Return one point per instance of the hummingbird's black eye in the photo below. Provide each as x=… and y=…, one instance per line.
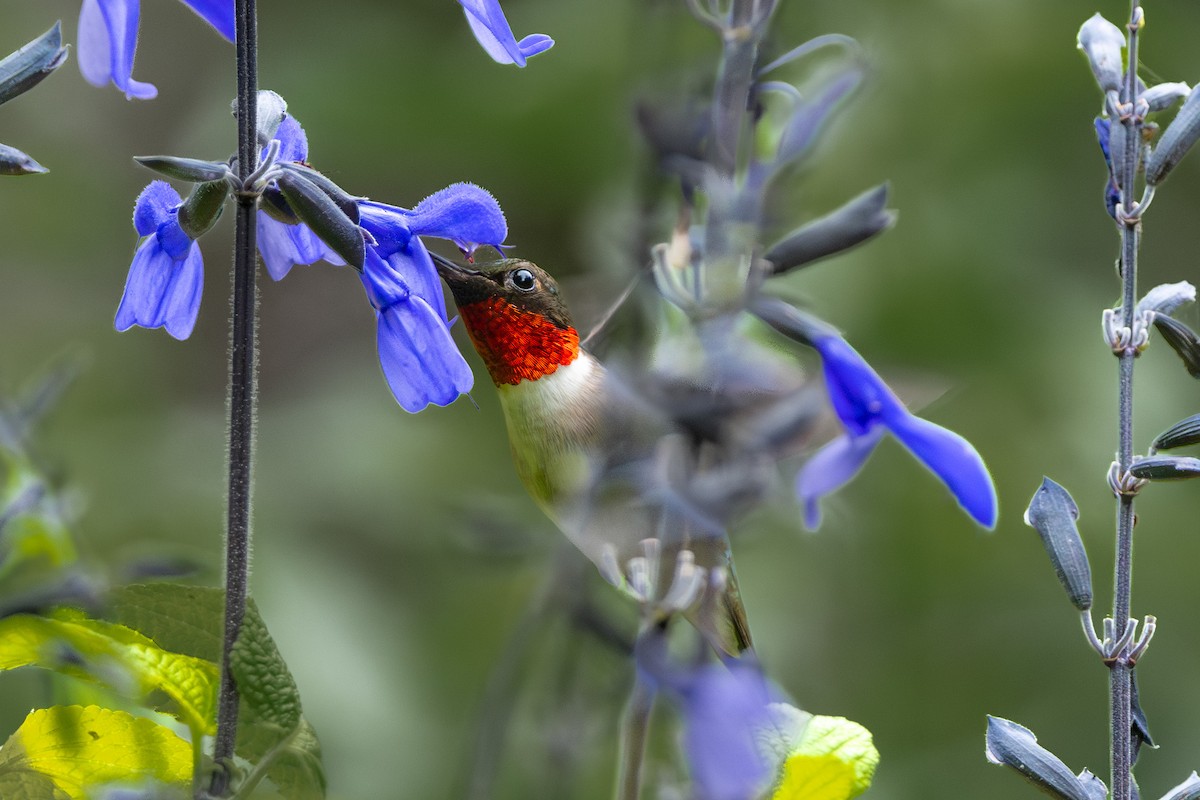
x=523, y=280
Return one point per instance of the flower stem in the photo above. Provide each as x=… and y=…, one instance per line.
x=242, y=397
x=633, y=739
x=1120, y=675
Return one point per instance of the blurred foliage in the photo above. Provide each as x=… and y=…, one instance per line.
x=406, y=545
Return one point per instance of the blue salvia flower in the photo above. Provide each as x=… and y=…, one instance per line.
x=418, y=356
x=867, y=409
x=165, y=280
x=723, y=706
x=108, y=31
x=495, y=35
x=282, y=245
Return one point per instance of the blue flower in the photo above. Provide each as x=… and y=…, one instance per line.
x=282, y=245
x=420, y=361
x=165, y=279
x=492, y=31
x=867, y=409
x=108, y=31
x=724, y=707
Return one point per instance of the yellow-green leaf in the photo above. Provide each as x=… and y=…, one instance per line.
x=823, y=758
x=78, y=747
x=120, y=658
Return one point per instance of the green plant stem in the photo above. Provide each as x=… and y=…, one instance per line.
x=242, y=398
x=1120, y=674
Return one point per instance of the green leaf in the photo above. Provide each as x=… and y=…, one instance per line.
x=820, y=758
x=183, y=619
x=272, y=731
x=78, y=747
x=293, y=763
x=262, y=676
x=30, y=786
x=115, y=656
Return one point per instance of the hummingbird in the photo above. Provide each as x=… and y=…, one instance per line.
x=584, y=446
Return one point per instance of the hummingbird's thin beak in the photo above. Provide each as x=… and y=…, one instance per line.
x=448, y=269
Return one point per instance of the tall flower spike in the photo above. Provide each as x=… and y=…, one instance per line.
x=867, y=408
x=108, y=31
x=165, y=280
x=420, y=361
x=494, y=34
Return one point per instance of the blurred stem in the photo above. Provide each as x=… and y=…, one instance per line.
x=740, y=38
x=242, y=398
x=1120, y=677
x=634, y=731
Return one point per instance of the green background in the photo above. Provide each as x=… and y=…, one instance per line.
x=394, y=553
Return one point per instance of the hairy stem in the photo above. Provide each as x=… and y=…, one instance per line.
x=1120, y=677
x=242, y=397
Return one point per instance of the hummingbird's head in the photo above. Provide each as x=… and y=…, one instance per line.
x=515, y=317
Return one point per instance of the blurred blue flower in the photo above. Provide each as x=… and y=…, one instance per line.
x=418, y=356
x=492, y=31
x=867, y=408
x=282, y=245
x=108, y=31
x=724, y=706
x=165, y=280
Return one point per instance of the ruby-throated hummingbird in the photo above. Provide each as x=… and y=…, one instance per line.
x=583, y=446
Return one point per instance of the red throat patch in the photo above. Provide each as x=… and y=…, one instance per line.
x=517, y=345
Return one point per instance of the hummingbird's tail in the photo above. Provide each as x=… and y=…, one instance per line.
x=719, y=615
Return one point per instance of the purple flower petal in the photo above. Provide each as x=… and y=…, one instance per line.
x=293, y=141
x=161, y=291
x=831, y=468
x=283, y=246
x=107, y=41
x=951, y=458
x=535, y=43
x=218, y=13
x=415, y=267
x=419, y=358
x=723, y=708
x=388, y=226
x=863, y=403
x=493, y=33
x=856, y=391
x=463, y=213
x=383, y=283
x=154, y=206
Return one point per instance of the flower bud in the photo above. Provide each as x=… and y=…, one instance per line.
x=1052, y=513
x=15, y=162
x=315, y=209
x=1178, y=138
x=185, y=169
x=1102, y=43
x=23, y=69
x=202, y=208
x=1183, y=340
x=1015, y=746
x=848, y=226
x=1165, y=468
x=1181, y=434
